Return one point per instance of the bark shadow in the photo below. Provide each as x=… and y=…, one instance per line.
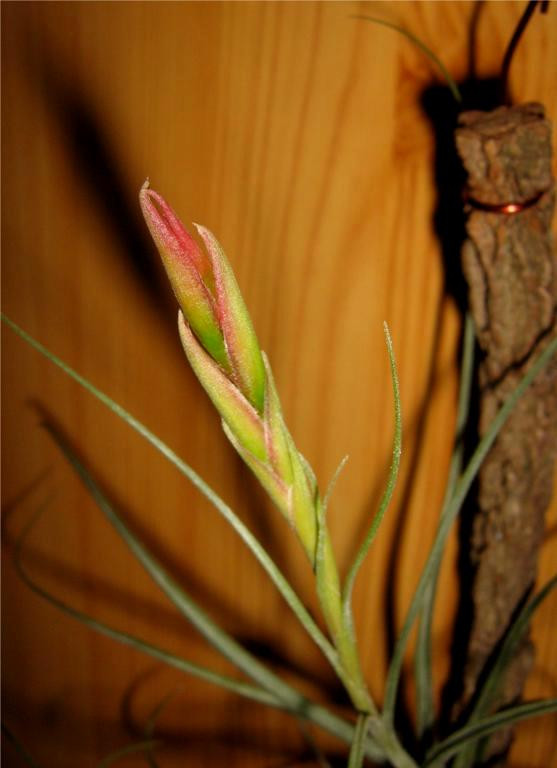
x=449, y=222
x=442, y=111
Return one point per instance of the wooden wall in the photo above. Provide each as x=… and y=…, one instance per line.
x=296, y=133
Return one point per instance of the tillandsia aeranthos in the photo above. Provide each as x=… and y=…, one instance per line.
x=220, y=343
x=219, y=340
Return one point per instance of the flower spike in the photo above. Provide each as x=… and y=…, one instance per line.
x=189, y=272
x=220, y=343
x=208, y=295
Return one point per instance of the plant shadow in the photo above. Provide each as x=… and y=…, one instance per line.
x=296, y=742
x=86, y=140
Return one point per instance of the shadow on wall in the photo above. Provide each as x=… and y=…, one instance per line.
x=97, y=164
x=449, y=222
x=189, y=739
x=100, y=170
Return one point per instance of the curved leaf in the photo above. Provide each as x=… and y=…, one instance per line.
x=356, y=759
x=131, y=749
x=422, y=46
x=461, y=490
x=266, y=562
x=391, y=482
x=493, y=681
x=423, y=667
x=470, y=733
x=304, y=707
x=196, y=670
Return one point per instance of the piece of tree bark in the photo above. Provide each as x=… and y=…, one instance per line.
x=511, y=269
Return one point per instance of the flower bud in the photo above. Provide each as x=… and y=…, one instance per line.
x=209, y=297
x=188, y=270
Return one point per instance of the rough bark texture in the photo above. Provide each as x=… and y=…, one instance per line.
x=511, y=268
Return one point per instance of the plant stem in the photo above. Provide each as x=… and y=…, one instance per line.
x=384, y=735
x=356, y=758
x=348, y=668
x=343, y=636
x=341, y=630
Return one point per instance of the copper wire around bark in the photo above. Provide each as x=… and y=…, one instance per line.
x=506, y=209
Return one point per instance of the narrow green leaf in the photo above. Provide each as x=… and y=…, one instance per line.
x=150, y=727
x=333, y=482
x=422, y=46
x=388, y=493
x=336, y=603
x=320, y=757
x=18, y=746
x=452, y=746
x=131, y=749
x=356, y=758
x=188, y=667
x=266, y=562
x=304, y=708
x=512, y=641
x=461, y=490
x=328, y=591
x=494, y=679
x=326, y=573
x=425, y=712
x=219, y=639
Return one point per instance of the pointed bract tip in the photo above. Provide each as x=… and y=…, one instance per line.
x=201, y=230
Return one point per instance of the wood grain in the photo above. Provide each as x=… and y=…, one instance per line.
x=295, y=132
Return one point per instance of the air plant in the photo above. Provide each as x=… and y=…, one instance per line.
x=220, y=343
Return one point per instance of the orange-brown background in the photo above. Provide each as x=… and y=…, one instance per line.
x=295, y=132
